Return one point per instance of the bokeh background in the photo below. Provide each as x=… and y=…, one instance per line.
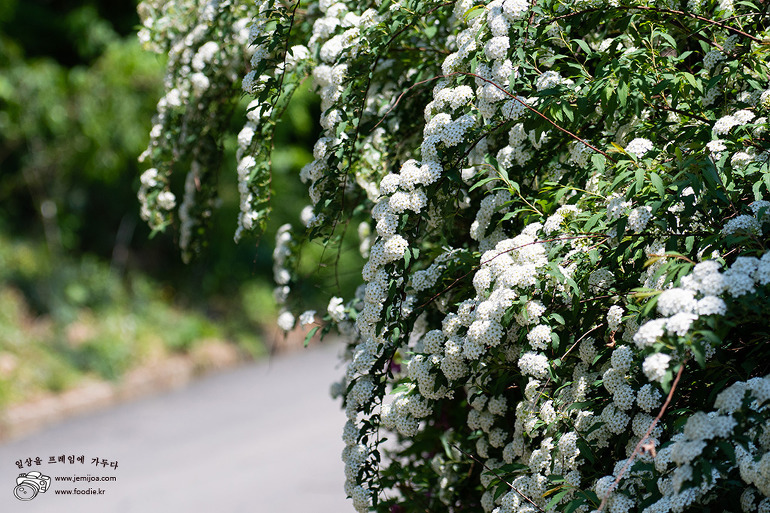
x=84, y=291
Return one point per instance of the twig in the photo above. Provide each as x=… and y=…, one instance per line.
x=661, y=10
x=689, y=114
x=506, y=92
x=644, y=438
x=525, y=104
x=402, y=95
x=672, y=255
x=695, y=16
x=475, y=268
x=494, y=471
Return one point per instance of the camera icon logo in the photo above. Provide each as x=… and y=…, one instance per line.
x=29, y=484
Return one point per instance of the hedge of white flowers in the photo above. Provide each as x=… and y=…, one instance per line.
x=564, y=208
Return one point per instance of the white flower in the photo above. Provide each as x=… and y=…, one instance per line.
x=741, y=159
x=166, y=200
x=614, y=316
x=295, y=55
x=336, y=309
x=638, y=218
x=515, y=8
x=245, y=136
x=200, y=82
x=307, y=216
x=738, y=283
x=394, y=248
x=716, y=146
x=281, y=276
x=280, y=294
x=149, y=178
x=711, y=305
x=622, y=358
x=603, y=486
x=617, y=206
x=639, y=146
x=497, y=47
x=743, y=224
x=743, y=116
x=649, y=332
x=679, y=324
x=601, y=280
x=534, y=364
x=286, y=320
x=655, y=366
x=724, y=124
x=675, y=301
x=307, y=317
x=540, y=336
x=648, y=397
x=548, y=80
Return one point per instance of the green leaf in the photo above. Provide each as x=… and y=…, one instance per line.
x=728, y=449
x=639, y=179
x=668, y=38
x=585, y=450
x=473, y=12
x=574, y=504
x=564, y=490
x=483, y=182
x=310, y=334
x=657, y=182
x=691, y=79
x=584, y=46
x=699, y=352
x=599, y=161
x=623, y=93
x=578, y=406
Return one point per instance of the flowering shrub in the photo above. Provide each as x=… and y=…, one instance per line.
x=564, y=209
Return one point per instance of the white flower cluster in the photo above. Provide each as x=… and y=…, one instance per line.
x=282, y=275
x=562, y=214
x=417, y=321
x=528, y=331
x=639, y=146
x=698, y=295
x=723, y=125
x=745, y=224
x=197, y=68
x=676, y=461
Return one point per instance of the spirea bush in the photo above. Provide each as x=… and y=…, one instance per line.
x=564, y=208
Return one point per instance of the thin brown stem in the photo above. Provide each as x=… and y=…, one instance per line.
x=673, y=255
x=526, y=105
x=475, y=268
x=644, y=438
x=398, y=100
x=494, y=471
x=507, y=93
x=662, y=10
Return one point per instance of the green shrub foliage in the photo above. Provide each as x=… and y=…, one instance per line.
x=564, y=209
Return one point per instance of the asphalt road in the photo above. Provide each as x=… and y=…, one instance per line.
x=261, y=438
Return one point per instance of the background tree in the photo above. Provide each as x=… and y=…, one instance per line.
x=82, y=289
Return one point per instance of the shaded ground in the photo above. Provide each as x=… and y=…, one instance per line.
x=261, y=438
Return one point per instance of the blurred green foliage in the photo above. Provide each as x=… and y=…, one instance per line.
x=69, y=134
x=83, y=289
x=94, y=321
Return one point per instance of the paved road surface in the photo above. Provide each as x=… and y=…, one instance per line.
x=260, y=439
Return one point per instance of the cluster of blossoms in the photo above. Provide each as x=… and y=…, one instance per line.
x=539, y=276
x=698, y=296
x=282, y=274
x=204, y=59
